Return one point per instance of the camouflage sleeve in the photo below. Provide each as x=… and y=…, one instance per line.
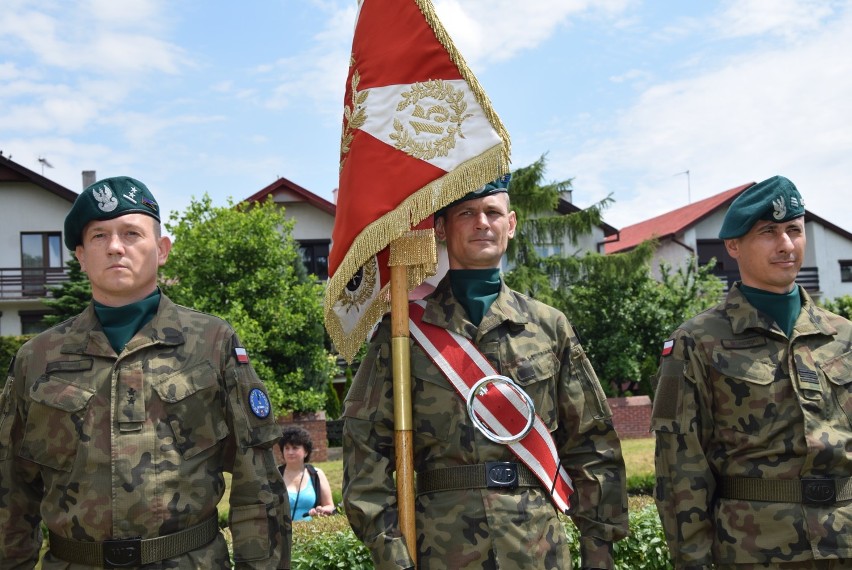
x=590, y=450
x=259, y=506
x=20, y=486
x=685, y=483
x=369, y=492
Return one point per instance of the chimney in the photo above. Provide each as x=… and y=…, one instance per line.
x=89, y=178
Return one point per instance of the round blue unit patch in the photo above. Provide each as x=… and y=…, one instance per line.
x=259, y=402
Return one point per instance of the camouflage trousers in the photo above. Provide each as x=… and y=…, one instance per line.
x=806, y=565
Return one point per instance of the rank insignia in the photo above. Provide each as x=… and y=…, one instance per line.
x=668, y=346
x=259, y=402
x=241, y=354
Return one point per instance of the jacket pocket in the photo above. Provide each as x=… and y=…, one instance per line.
x=536, y=375
x=746, y=397
x=193, y=408
x=439, y=407
x=55, y=423
x=250, y=532
x=838, y=370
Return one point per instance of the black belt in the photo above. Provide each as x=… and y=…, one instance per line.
x=490, y=475
x=811, y=491
x=130, y=552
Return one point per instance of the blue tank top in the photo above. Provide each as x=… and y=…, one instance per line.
x=307, y=500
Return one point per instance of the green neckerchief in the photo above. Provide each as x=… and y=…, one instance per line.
x=783, y=307
x=475, y=289
x=121, y=323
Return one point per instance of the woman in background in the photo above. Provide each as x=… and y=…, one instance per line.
x=307, y=486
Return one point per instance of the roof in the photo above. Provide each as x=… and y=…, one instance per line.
x=565, y=207
x=282, y=184
x=672, y=223
x=11, y=171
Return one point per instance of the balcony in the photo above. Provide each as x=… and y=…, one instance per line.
x=29, y=282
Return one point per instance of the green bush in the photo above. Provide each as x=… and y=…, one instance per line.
x=315, y=549
x=329, y=544
x=9, y=346
x=642, y=484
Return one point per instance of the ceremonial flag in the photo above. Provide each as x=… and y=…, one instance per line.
x=418, y=133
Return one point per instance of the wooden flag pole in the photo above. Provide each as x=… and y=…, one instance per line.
x=403, y=423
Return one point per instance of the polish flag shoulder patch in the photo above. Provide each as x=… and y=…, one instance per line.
x=241, y=354
x=668, y=347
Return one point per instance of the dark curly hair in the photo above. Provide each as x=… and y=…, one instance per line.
x=296, y=435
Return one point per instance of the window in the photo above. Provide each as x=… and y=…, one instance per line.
x=41, y=253
x=315, y=257
x=31, y=321
x=846, y=270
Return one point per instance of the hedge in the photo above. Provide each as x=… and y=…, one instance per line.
x=9, y=346
x=329, y=544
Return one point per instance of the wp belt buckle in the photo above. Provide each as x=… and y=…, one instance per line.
x=122, y=553
x=819, y=491
x=480, y=425
x=501, y=475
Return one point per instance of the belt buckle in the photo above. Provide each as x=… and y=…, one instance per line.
x=821, y=491
x=501, y=475
x=480, y=386
x=123, y=553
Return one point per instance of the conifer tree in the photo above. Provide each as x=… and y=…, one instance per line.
x=69, y=298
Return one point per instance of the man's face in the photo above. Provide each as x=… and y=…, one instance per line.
x=121, y=257
x=770, y=254
x=477, y=232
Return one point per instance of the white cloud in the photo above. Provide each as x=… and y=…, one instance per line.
x=780, y=111
x=490, y=31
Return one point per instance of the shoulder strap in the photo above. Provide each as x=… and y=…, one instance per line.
x=312, y=473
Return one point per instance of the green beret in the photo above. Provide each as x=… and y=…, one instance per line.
x=107, y=199
x=775, y=199
x=493, y=187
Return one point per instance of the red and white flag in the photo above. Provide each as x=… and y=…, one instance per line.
x=418, y=133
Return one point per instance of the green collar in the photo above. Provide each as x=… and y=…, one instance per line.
x=120, y=324
x=784, y=308
x=475, y=290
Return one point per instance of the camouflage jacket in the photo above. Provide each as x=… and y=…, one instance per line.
x=100, y=446
x=737, y=398
x=485, y=528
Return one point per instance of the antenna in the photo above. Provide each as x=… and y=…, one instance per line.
x=688, y=186
x=44, y=162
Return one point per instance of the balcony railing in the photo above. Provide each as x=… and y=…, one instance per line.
x=808, y=278
x=29, y=282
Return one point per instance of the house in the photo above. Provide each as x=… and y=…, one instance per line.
x=32, y=254
x=693, y=231
x=314, y=217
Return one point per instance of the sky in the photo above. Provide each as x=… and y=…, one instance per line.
x=654, y=103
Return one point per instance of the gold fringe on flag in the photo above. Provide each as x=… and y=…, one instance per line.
x=471, y=174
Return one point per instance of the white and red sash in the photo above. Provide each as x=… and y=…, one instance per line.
x=463, y=365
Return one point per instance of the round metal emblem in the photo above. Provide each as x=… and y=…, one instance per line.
x=488, y=432
x=259, y=402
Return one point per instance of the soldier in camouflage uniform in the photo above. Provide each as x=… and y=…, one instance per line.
x=117, y=425
x=484, y=528
x=753, y=408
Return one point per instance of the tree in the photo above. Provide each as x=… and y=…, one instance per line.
x=241, y=263
x=69, y=298
x=620, y=312
x=841, y=306
x=624, y=319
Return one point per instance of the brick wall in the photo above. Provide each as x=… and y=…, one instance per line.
x=631, y=416
x=315, y=425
